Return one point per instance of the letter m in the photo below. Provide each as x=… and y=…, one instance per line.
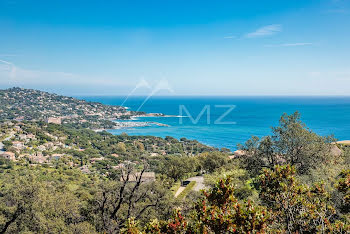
x=182, y=109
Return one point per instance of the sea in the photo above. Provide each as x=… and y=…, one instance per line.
x=224, y=122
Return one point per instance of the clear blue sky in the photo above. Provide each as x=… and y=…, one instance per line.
x=250, y=47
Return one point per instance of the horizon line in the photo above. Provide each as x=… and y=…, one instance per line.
x=182, y=95
x=211, y=95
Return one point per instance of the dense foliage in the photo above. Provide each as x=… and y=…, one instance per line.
x=291, y=182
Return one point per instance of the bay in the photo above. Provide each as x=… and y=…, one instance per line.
x=250, y=116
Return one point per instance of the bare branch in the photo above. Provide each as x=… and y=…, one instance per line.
x=121, y=193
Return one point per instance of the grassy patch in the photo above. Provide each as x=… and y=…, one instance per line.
x=175, y=187
x=188, y=188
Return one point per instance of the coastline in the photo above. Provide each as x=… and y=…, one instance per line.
x=130, y=123
x=253, y=116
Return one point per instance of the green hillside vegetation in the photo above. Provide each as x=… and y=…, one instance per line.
x=293, y=181
x=30, y=104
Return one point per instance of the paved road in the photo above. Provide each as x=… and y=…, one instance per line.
x=199, y=182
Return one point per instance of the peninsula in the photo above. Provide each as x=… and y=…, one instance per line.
x=33, y=105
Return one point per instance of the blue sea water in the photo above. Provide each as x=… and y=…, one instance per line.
x=251, y=116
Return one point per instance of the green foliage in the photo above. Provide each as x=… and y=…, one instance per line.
x=211, y=161
x=177, y=224
x=7, y=144
x=284, y=183
x=343, y=186
x=5, y=164
x=116, y=202
x=131, y=227
x=188, y=188
x=175, y=187
x=32, y=104
x=37, y=201
x=239, y=177
x=291, y=143
x=121, y=147
x=220, y=212
x=177, y=167
x=297, y=207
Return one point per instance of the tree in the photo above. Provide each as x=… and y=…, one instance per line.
x=177, y=167
x=29, y=204
x=139, y=146
x=239, y=177
x=298, y=145
x=176, y=224
x=343, y=186
x=297, y=208
x=213, y=160
x=220, y=212
x=121, y=147
x=291, y=143
x=118, y=201
x=7, y=144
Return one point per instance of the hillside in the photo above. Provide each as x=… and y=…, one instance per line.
x=28, y=104
x=96, y=182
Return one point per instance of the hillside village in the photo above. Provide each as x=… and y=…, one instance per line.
x=39, y=128
x=49, y=143
x=91, y=181
x=42, y=128
x=54, y=163
x=34, y=105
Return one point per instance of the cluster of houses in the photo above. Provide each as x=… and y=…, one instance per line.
x=27, y=104
x=22, y=148
x=54, y=105
x=55, y=120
